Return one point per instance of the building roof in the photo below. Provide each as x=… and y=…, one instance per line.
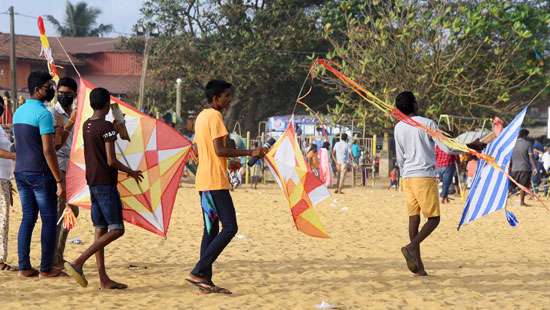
x=116, y=84
x=28, y=47
x=90, y=45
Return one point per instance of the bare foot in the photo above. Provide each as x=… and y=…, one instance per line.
x=29, y=273
x=410, y=258
x=112, y=285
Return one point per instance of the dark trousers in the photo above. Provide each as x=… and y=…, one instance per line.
x=214, y=243
x=37, y=194
x=446, y=175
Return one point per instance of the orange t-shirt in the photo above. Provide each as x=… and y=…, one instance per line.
x=212, y=169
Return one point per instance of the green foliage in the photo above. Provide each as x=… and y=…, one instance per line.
x=262, y=47
x=80, y=21
x=475, y=58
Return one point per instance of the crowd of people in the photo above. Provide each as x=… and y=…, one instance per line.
x=331, y=163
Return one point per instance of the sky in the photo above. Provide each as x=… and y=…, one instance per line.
x=122, y=14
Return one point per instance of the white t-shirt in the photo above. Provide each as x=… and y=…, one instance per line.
x=6, y=165
x=546, y=160
x=341, y=150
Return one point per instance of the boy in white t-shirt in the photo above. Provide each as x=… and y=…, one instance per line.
x=6, y=172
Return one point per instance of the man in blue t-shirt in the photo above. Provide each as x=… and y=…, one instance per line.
x=37, y=174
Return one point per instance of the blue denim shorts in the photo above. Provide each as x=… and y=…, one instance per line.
x=106, y=207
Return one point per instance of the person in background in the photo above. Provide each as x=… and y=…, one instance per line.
x=355, y=152
x=313, y=159
x=522, y=164
x=546, y=165
x=536, y=179
x=37, y=174
x=471, y=168
x=6, y=199
x=256, y=170
x=394, y=178
x=64, y=116
x=445, y=166
x=340, y=154
x=325, y=169
x=546, y=159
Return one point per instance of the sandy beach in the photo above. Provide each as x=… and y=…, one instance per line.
x=270, y=265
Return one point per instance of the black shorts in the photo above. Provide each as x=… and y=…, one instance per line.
x=522, y=177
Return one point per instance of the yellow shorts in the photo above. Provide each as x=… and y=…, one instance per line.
x=422, y=196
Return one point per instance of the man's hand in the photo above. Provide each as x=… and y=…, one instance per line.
x=258, y=152
x=60, y=190
x=137, y=175
x=72, y=119
x=534, y=172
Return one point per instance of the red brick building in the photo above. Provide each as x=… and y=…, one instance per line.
x=99, y=60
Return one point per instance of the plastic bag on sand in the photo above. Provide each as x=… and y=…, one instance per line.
x=325, y=305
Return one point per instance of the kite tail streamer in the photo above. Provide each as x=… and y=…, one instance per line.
x=46, y=50
x=68, y=218
x=209, y=210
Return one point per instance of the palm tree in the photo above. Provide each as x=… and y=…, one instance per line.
x=80, y=21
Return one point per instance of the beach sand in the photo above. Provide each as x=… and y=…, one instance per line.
x=270, y=265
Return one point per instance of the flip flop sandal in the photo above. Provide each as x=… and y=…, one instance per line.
x=116, y=286
x=221, y=290
x=204, y=286
x=61, y=274
x=75, y=274
x=411, y=262
x=6, y=267
x=34, y=273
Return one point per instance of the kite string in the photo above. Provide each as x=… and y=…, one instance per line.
x=69, y=57
x=300, y=93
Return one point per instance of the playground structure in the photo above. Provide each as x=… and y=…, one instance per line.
x=363, y=171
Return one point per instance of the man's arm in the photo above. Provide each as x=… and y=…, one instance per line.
x=48, y=150
x=113, y=162
x=7, y=154
x=223, y=151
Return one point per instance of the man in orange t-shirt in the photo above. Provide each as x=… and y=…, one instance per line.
x=213, y=184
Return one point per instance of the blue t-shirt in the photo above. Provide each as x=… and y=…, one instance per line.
x=355, y=151
x=31, y=121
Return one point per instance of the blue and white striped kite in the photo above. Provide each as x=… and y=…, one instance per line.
x=489, y=190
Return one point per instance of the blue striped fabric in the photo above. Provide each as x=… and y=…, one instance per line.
x=489, y=190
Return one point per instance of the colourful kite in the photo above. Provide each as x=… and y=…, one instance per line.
x=300, y=186
x=46, y=50
x=489, y=191
x=154, y=148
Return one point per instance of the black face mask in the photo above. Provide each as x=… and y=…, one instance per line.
x=50, y=93
x=65, y=99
